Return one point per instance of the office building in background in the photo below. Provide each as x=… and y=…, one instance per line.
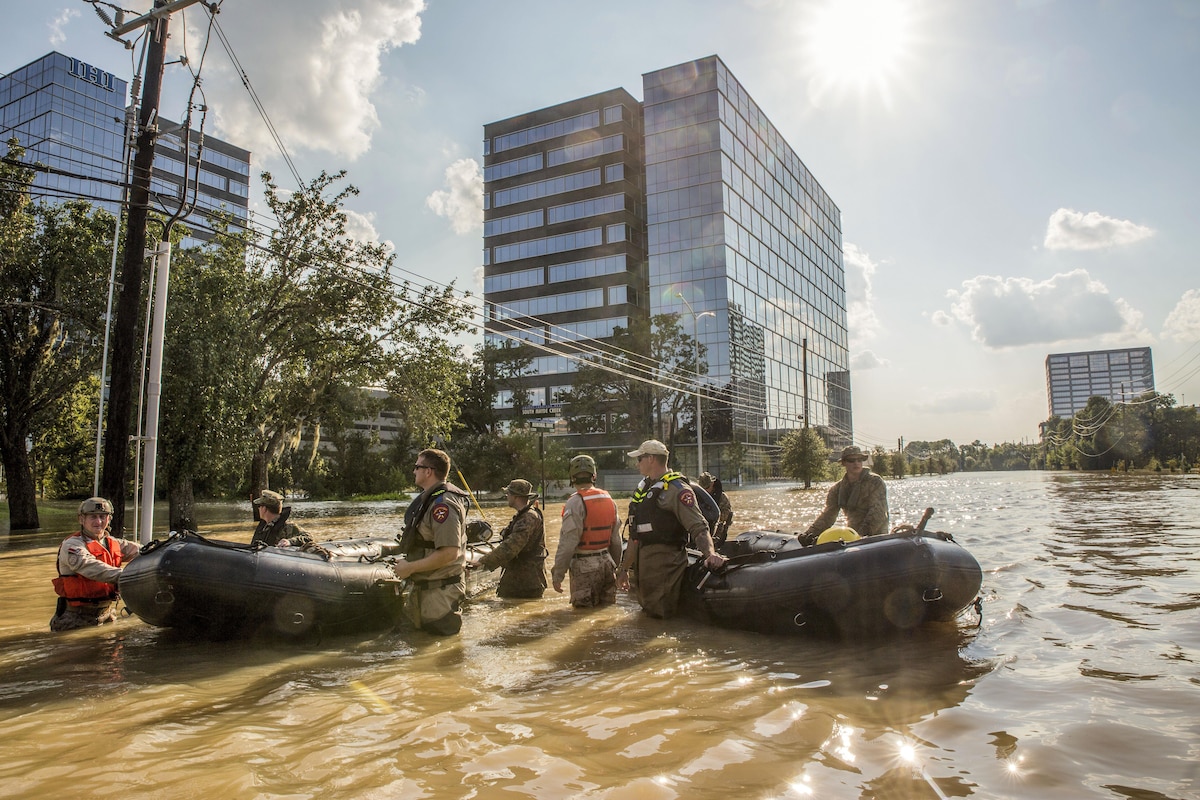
x=603, y=209
x=1119, y=376
x=70, y=118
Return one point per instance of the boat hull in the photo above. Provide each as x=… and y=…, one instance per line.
x=876, y=586
x=222, y=589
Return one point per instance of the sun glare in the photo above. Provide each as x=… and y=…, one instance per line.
x=857, y=44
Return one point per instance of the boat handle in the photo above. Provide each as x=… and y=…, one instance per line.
x=932, y=595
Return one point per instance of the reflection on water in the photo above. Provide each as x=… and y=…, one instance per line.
x=1081, y=682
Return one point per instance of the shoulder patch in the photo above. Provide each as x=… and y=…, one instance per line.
x=687, y=497
x=566, y=512
x=441, y=512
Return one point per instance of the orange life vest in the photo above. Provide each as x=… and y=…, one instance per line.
x=599, y=514
x=79, y=590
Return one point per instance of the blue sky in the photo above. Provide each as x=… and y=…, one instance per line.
x=1015, y=178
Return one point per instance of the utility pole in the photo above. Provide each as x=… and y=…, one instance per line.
x=804, y=431
x=119, y=421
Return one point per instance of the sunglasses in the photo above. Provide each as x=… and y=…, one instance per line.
x=422, y=466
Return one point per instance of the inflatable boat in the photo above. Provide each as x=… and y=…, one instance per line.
x=869, y=587
x=221, y=589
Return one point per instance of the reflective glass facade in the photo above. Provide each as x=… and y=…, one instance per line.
x=733, y=221
x=739, y=227
x=1117, y=375
x=70, y=116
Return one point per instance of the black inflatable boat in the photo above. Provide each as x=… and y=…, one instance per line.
x=221, y=589
x=875, y=586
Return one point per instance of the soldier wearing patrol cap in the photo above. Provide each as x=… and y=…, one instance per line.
x=273, y=526
x=522, y=549
x=589, y=543
x=89, y=566
x=665, y=518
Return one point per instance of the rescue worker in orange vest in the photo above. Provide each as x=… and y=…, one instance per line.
x=89, y=566
x=589, y=544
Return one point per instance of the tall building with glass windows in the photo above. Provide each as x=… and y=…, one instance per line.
x=742, y=242
x=564, y=236
x=1119, y=376
x=70, y=118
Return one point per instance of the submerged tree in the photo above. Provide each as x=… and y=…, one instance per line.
x=53, y=273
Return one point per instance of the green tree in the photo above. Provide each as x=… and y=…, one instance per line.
x=53, y=274
x=804, y=456
x=329, y=315
x=643, y=380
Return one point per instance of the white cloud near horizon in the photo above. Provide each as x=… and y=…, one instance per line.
x=860, y=296
x=1014, y=312
x=461, y=201
x=965, y=401
x=316, y=67
x=1071, y=230
x=57, y=33
x=361, y=228
x=867, y=359
x=1183, y=323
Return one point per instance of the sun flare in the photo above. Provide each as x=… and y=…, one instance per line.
x=858, y=45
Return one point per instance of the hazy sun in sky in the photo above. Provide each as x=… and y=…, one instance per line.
x=858, y=45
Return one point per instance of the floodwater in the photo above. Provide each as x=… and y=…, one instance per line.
x=1082, y=680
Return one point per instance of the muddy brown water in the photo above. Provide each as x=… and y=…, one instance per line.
x=1081, y=682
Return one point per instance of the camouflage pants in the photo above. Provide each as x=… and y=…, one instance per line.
x=593, y=580
x=436, y=609
x=659, y=570
x=68, y=617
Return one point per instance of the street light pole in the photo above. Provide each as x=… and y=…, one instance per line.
x=696, y=363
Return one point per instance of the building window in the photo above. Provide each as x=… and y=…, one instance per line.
x=513, y=280
x=550, y=130
x=533, y=191
x=590, y=149
x=518, y=166
x=613, y=114
x=615, y=233
x=586, y=208
x=614, y=173
x=548, y=245
x=517, y=222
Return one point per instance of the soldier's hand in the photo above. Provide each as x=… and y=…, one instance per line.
x=623, y=580
x=714, y=561
x=558, y=586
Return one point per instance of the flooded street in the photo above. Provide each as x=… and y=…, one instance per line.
x=1081, y=682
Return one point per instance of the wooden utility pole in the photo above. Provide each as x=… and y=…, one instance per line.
x=119, y=421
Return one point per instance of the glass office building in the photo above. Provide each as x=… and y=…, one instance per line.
x=1119, y=376
x=739, y=234
x=70, y=117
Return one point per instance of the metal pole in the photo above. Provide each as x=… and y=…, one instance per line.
x=154, y=384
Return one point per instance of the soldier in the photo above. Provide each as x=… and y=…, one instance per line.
x=589, y=544
x=434, y=544
x=522, y=549
x=665, y=517
x=860, y=493
x=89, y=566
x=712, y=485
x=273, y=526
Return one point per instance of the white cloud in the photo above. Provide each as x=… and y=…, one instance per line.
x=1012, y=312
x=1183, y=323
x=860, y=295
x=361, y=228
x=867, y=359
x=462, y=200
x=314, y=65
x=1071, y=230
x=966, y=401
x=57, y=34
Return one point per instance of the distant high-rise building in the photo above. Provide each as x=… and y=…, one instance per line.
x=70, y=118
x=604, y=209
x=1116, y=375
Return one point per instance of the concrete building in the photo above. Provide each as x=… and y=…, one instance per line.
x=70, y=118
x=709, y=213
x=1116, y=375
